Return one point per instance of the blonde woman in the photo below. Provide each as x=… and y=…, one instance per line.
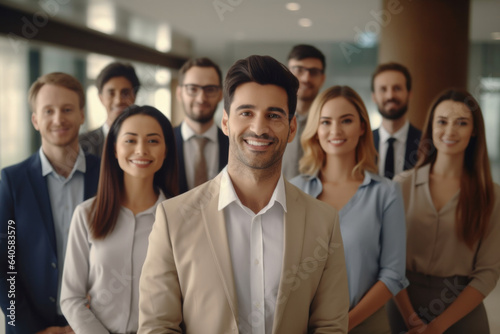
x=338, y=167
x=452, y=214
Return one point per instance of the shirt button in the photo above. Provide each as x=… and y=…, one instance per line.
x=256, y=262
x=52, y=299
x=53, y=264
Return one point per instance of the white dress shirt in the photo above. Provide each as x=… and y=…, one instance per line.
x=191, y=149
x=64, y=195
x=399, y=148
x=256, y=247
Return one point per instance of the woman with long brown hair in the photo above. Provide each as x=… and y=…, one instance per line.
x=339, y=168
x=108, y=237
x=452, y=214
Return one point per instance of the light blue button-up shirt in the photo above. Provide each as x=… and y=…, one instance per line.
x=64, y=194
x=373, y=230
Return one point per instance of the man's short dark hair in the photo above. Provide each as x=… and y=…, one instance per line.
x=303, y=51
x=200, y=62
x=392, y=67
x=117, y=69
x=263, y=70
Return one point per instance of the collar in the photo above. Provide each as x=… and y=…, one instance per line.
x=300, y=118
x=401, y=135
x=105, y=129
x=314, y=187
x=188, y=133
x=228, y=194
x=78, y=166
x=152, y=210
x=422, y=174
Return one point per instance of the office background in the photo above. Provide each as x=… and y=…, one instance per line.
x=80, y=37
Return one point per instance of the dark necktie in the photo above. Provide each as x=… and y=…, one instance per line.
x=389, y=159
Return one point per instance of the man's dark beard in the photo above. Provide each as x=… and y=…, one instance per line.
x=395, y=114
x=202, y=119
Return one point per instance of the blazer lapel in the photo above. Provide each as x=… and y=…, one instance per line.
x=40, y=192
x=215, y=229
x=223, y=149
x=294, y=239
x=179, y=143
x=376, y=138
x=91, y=176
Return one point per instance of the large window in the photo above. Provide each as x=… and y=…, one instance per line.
x=22, y=64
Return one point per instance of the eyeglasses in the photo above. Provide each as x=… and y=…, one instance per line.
x=313, y=71
x=209, y=90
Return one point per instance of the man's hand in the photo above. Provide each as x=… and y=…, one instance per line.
x=56, y=330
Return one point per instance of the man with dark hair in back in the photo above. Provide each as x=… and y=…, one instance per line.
x=247, y=252
x=201, y=145
x=117, y=85
x=307, y=63
x=396, y=140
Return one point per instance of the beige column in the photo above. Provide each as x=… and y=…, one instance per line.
x=177, y=112
x=431, y=38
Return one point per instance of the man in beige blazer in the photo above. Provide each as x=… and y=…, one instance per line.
x=247, y=252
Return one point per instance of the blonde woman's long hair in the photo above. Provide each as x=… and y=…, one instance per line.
x=314, y=157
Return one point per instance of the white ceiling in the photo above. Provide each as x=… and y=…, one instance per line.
x=269, y=20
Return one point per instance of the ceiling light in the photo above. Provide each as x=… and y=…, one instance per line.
x=293, y=6
x=495, y=35
x=306, y=23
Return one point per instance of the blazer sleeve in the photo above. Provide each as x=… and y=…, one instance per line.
x=75, y=278
x=160, y=305
x=393, y=241
x=330, y=306
x=25, y=318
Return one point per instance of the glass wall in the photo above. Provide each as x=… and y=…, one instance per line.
x=21, y=64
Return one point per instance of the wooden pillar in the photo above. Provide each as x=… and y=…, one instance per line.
x=431, y=38
x=177, y=111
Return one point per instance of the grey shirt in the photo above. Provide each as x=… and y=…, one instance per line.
x=64, y=194
x=294, y=151
x=107, y=270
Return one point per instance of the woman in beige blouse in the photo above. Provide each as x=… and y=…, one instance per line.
x=108, y=237
x=453, y=228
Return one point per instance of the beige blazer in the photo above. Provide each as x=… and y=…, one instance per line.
x=187, y=283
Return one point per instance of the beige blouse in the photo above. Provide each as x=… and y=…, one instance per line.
x=433, y=247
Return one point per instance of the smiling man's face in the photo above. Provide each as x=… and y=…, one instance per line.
x=257, y=126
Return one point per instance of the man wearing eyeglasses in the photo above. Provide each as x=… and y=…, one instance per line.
x=202, y=148
x=307, y=63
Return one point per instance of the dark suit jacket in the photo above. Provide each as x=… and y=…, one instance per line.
x=24, y=199
x=223, y=154
x=412, y=142
x=93, y=142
